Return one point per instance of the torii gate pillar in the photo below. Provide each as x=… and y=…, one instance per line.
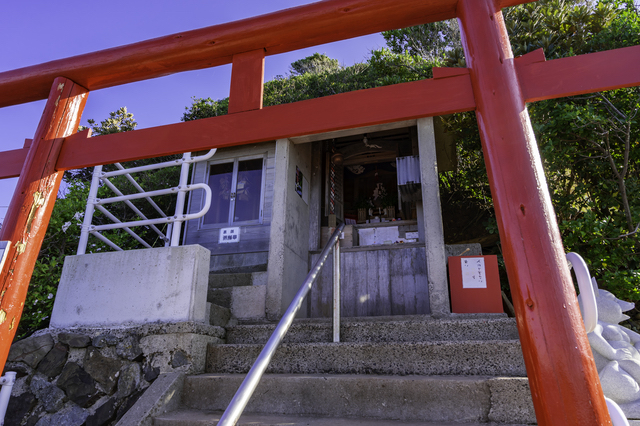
x=562, y=375
x=32, y=204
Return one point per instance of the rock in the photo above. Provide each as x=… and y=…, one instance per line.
x=31, y=350
x=74, y=340
x=52, y=364
x=150, y=373
x=20, y=369
x=50, y=396
x=35, y=416
x=179, y=359
x=18, y=408
x=104, y=340
x=103, y=369
x=70, y=416
x=129, y=348
x=104, y=414
x=78, y=384
x=129, y=380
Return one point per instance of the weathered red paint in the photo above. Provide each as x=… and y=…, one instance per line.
x=282, y=31
x=347, y=110
x=247, y=81
x=562, y=375
x=28, y=216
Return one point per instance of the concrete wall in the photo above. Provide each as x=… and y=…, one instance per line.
x=432, y=219
x=289, y=242
x=166, y=284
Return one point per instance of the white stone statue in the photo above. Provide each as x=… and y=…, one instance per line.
x=615, y=348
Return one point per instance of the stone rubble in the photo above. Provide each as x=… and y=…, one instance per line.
x=91, y=377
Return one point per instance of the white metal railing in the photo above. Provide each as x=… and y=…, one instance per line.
x=7, y=381
x=172, y=235
x=243, y=394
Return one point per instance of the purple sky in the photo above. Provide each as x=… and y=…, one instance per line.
x=38, y=31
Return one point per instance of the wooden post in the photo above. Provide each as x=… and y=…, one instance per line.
x=28, y=216
x=562, y=374
x=247, y=81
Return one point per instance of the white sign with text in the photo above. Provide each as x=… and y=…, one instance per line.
x=473, y=274
x=229, y=235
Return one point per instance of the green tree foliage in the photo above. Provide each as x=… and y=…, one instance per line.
x=561, y=27
x=120, y=120
x=436, y=40
x=314, y=64
x=591, y=154
x=318, y=75
x=589, y=144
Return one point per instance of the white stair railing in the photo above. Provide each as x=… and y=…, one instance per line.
x=174, y=222
x=7, y=381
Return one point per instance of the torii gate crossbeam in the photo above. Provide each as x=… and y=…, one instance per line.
x=563, y=377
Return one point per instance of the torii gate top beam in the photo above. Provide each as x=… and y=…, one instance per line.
x=283, y=31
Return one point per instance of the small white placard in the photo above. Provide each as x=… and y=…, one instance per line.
x=229, y=235
x=473, y=275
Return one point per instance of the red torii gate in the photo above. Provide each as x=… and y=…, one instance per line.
x=563, y=377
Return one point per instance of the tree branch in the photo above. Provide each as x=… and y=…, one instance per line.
x=635, y=231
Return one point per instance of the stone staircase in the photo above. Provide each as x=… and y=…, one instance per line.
x=413, y=370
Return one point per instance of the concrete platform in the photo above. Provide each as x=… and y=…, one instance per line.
x=487, y=357
x=202, y=418
x=134, y=287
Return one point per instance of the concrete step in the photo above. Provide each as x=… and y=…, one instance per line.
x=488, y=357
x=207, y=418
x=404, y=398
x=416, y=328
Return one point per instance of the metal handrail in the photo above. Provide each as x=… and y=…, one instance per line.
x=172, y=235
x=7, y=381
x=243, y=394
